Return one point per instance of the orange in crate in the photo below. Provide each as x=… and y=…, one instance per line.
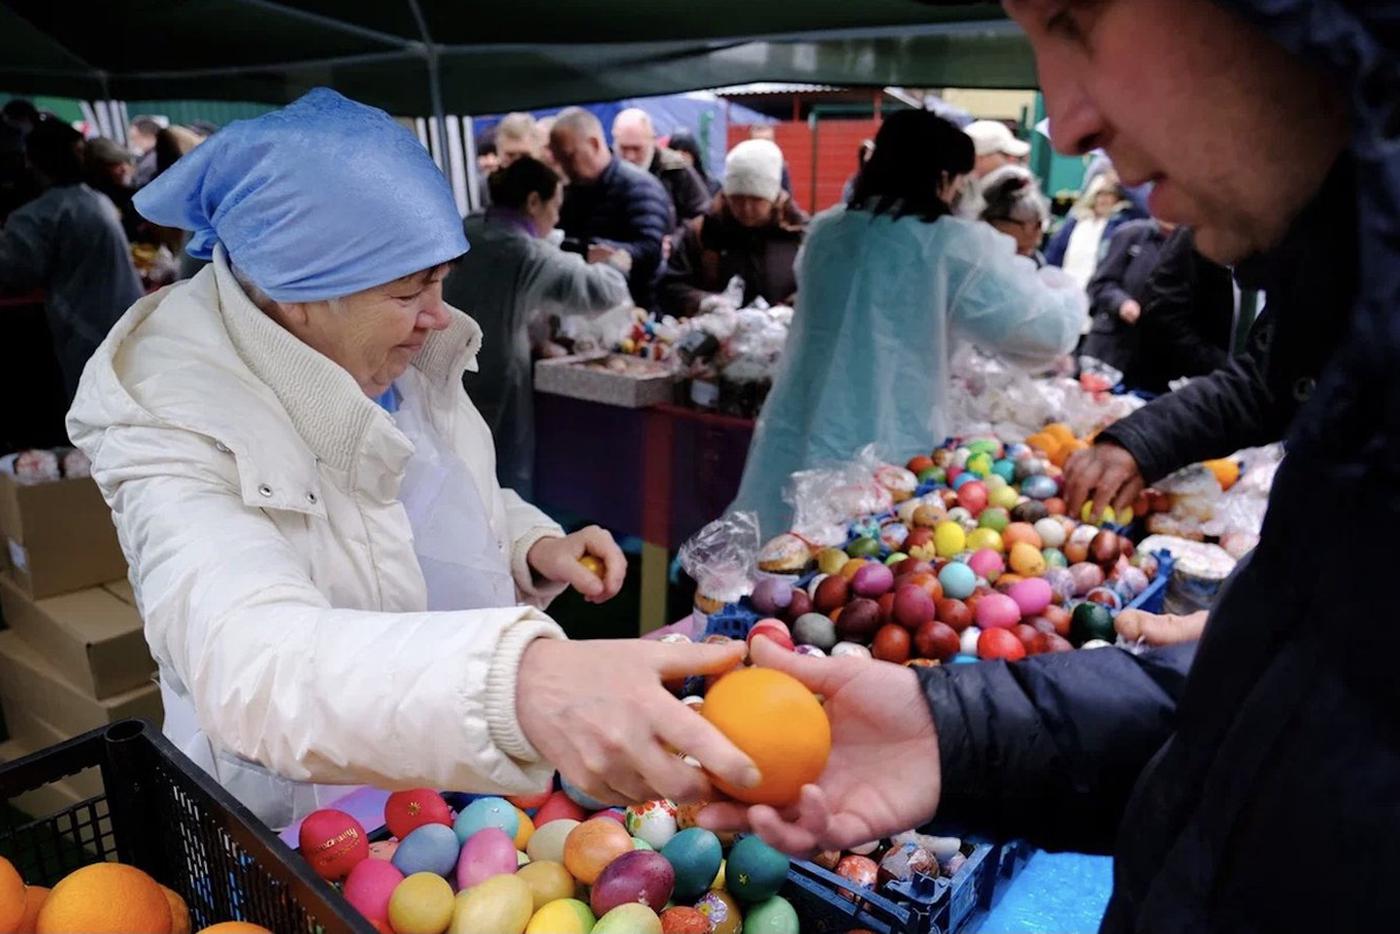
x=105, y=898
x=779, y=724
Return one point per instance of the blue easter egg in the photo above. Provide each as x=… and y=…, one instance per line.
x=1005, y=469
x=695, y=855
x=580, y=797
x=431, y=848
x=962, y=659
x=487, y=812
x=962, y=480
x=1039, y=487
x=958, y=580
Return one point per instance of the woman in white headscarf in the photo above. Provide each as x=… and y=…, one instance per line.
x=335, y=587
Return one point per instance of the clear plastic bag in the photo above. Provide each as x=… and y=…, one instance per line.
x=1239, y=515
x=721, y=557
x=826, y=501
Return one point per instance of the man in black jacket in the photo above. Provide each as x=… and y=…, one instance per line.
x=610, y=204
x=634, y=140
x=1201, y=769
x=1118, y=288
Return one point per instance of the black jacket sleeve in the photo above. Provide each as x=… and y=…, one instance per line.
x=1049, y=749
x=678, y=292
x=1213, y=416
x=1106, y=290
x=692, y=198
x=1185, y=291
x=650, y=218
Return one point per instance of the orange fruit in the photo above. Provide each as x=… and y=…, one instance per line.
x=11, y=897
x=1226, y=471
x=778, y=723
x=34, y=898
x=235, y=927
x=105, y=898
x=1060, y=432
x=179, y=912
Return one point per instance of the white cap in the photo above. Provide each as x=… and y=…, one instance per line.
x=754, y=167
x=990, y=136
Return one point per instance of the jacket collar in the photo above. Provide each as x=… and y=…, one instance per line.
x=325, y=404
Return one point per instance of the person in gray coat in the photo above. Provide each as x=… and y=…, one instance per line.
x=69, y=242
x=510, y=274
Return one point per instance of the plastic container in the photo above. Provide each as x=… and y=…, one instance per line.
x=161, y=813
x=923, y=905
x=1154, y=598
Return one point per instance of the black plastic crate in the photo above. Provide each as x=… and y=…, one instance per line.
x=161, y=813
x=923, y=905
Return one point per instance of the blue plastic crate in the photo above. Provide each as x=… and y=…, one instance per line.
x=923, y=905
x=1154, y=598
x=733, y=620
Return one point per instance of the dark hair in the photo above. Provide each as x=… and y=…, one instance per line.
x=486, y=146
x=56, y=149
x=511, y=186
x=147, y=125
x=916, y=153
x=20, y=109
x=685, y=141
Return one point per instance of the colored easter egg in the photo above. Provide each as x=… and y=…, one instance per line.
x=559, y=807
x=487, y=812
x=488, y=852
x=369, y=887
x=547, y=842
x=526, y=831
x=592, y=845
x=773, y=916
x=684, y=920
x=949, y=539
x=997, y=611
x=431, y=848
x=652, y=821
x=771, y=596
x=548, y=881
x=814, y=629
x=581, y=797
x=694, y=855
x=640, y=877
x=872, y=580
x=1027, y=560
x=629, y=919
x=333, y=843
x=1032, y=595
x=502, y=905
x=722, y=911
x=563, y=916
x=958, y=580
x=406, y=811
x=755, y=871
x=986, y=563
x=421, y=904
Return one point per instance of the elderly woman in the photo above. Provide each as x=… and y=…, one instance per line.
x=335, y=587
x=752, y=230
x=1013, y=204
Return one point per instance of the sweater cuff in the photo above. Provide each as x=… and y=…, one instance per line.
x=501, y=682
x=532, y=589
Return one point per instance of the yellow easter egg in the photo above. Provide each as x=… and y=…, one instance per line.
x=949, y=539
x=832, y=560
x=1027, y=560
x=985, y=538
x=526, y=831
x=719, y=876
x=421, y=904
x=548, y=881
x=501, y=905
x=565, y=916
x=631, y=918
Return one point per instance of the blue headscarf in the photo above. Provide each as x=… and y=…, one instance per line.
x=321, y=199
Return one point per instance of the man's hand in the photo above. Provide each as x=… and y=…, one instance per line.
x=598, y=712
x=1104, y=474
x=601, y=252
x=1130, y=311
x=1159, y=630
x=883, y=774
x=558, y=559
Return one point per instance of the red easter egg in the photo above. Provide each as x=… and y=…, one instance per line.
x=529, y=802
x=559, y=807
x=774, y=630
x=406, y=811
x=333, y=843
x=1000, y=643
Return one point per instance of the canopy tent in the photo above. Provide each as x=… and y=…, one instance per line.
x=476, y=57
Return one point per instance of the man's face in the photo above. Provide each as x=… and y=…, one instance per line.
x=632, y=142
x=1237, y=134
x=140, y=142
x=989, y=163
x=509, y=148
x=581, y=158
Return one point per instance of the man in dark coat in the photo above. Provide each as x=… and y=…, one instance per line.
x=610, y=204
x=1200, y=768
x=634, y=140
x=1117, y=290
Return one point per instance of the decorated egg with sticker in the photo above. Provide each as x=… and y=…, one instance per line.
x=652, y=821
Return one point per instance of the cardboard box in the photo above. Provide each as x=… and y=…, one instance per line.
x=644, y=383
x=93, y=638
x=32, y=733
x=30, y=683
x=58, y=536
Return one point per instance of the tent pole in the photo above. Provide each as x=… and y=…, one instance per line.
x=430, y=54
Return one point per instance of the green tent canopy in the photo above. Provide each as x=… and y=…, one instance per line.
x=498, y=56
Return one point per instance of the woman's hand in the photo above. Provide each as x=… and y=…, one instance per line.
x=597, y=711
x=560, y=560
x=883, y=774
x=1160, y=629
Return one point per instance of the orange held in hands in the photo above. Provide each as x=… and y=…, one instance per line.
x=775, y=720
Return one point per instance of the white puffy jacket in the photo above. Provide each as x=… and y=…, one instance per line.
x=255, y=492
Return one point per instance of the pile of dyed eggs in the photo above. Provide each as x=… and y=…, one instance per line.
x=878, y=864
x=556, y=863
x=984, y=564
